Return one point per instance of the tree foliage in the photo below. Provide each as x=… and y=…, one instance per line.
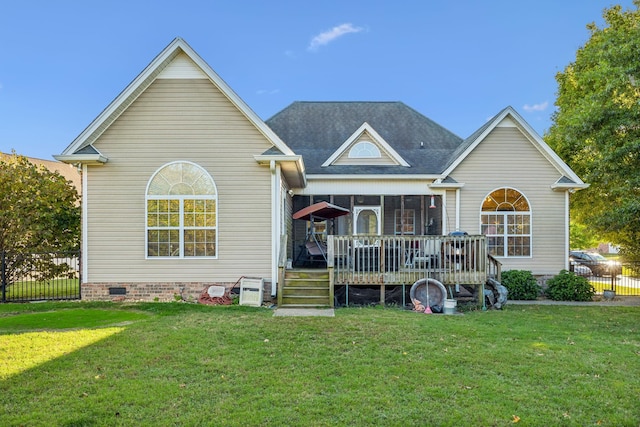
x=596, y=127
x=39, y=213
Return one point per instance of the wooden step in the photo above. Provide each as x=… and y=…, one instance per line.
x=305, y=301
x=306, y=288
x=307, y=274
x=311, y=291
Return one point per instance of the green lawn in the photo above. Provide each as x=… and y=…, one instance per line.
x=50, y=289
x=92, y=364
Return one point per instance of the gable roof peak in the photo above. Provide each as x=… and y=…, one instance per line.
x=144, y=80
x=378, y=140
x=478, y=136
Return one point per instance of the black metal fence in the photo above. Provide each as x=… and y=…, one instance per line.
x=623, y=277
x=40, y=276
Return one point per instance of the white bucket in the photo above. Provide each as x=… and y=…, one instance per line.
x=450, y=306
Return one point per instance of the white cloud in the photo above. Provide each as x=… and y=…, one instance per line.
x=267, y=91
x=328, y=36
x=536, y=107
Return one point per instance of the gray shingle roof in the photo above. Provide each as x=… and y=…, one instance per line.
x=316, y=130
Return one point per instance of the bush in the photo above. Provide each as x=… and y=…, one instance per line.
x=568, y=286
x=521, y=284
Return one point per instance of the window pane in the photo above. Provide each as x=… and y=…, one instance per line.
x=199, y=242
x=518, y=224
x=496, y=246
x=409, y=221
x=163, y=243
x=492, y=224
x=152, y=213
x=519, y=246
x=367, y=222
x=210, y=243
x=364, y=149
x=210, y=220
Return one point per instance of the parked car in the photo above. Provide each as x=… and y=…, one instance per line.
x=599, y=265
x=581, y=270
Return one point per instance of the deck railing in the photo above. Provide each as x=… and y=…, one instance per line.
x=372, y=259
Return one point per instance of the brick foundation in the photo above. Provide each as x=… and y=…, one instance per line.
x=161, y=292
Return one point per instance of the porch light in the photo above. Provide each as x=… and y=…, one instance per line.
x=433, y=202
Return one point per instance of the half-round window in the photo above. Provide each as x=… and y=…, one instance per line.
x=506, y=221
x=364, y=150
x=182, y=207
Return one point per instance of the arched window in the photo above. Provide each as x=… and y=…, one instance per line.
x=506, y=221
x=364, y=150
x=182, y=220
x=367, y=220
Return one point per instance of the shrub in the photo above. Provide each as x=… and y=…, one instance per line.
x=568, y=286
x=521, y=284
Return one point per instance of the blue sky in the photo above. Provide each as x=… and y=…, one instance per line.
x=458, y=63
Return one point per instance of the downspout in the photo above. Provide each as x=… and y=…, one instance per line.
x=445, y=214
x=567, y=233
x=457, y=209
x=85, y=232
x=275, y=226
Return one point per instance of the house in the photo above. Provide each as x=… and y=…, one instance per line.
x=69, y=172
x=184, y=186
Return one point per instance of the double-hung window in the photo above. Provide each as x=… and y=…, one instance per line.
x=182, y=205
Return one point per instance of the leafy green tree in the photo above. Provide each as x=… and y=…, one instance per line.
x=582, y=237
x=596, y=127
x=39, y=214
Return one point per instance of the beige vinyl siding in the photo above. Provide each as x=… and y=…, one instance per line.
x=507, y=159
x=179, y=119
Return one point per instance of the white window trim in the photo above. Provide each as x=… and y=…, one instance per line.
x=358, y=209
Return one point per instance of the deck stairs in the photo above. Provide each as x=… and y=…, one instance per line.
x=306, y=288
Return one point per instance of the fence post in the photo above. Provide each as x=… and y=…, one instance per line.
x=3, y=279
x=79, y=254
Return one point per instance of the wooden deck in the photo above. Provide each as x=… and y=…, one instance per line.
x=397, y=260
x=403, y=260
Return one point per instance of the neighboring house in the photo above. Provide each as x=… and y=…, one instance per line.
x=185, y=186
x=70, y=172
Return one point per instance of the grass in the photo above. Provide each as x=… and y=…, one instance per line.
x=54, y=288
x=182, y=364
x=620, y=288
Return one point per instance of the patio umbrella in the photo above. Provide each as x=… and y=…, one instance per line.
x=321, y=211
x=317, y=212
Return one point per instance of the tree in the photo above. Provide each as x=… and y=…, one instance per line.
x=581, y=237
x=39, y=213
x=596, y=128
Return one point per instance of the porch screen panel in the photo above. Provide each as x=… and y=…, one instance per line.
x=181, y=212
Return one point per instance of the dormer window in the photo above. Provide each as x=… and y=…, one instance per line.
x=364, y=150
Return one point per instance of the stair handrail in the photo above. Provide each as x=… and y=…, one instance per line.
x=282, y=263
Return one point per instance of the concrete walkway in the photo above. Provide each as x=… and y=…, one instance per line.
x=616, y=302
x=304, y=312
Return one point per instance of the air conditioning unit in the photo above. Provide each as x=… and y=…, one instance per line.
x=251, y=289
